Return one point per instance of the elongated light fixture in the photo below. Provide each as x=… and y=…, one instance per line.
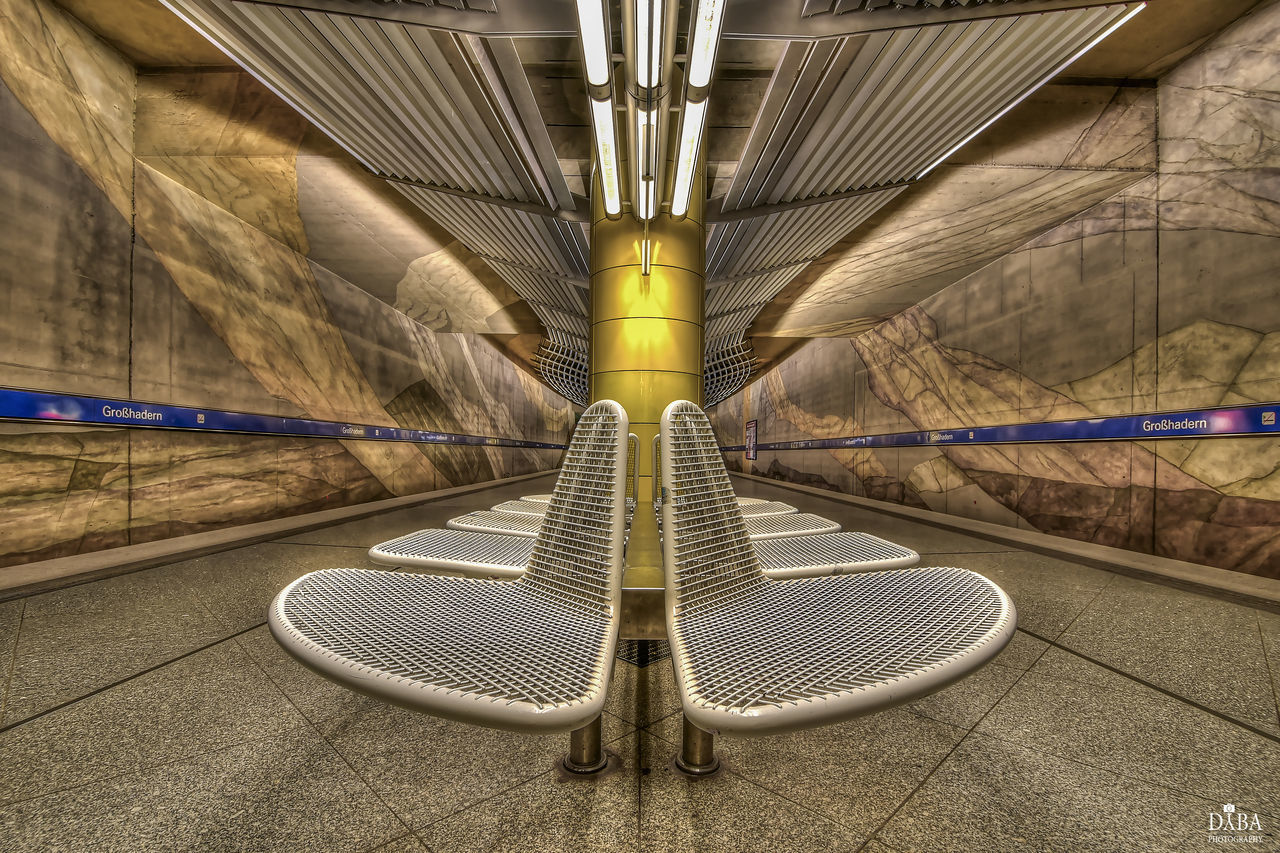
x=704, y=40
x=595, y=41
x=691, y=124
x=593, y=30
x=649, y=15
x=1054, y=73
x=607, y=154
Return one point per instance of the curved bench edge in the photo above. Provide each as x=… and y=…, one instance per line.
x=440, y=702
x=775, y=719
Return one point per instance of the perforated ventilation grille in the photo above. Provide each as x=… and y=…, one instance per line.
x=527, y=648
x=826, y=635
x=726, y=367
x=562, y=360
x=459, y=546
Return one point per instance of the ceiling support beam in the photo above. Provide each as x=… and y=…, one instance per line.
x=578, y=214
x=715, y=215
x=546, y=18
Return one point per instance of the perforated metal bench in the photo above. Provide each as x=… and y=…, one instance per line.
x=522, y=506
x=463, y=551
x=830, y=554
x=542, y=499
x=762, y=527
x=756, y=655
x=491, y=521
x=751, y=501
x=533, y=654
x=767, y=508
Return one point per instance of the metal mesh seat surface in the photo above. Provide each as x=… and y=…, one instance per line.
x=483, y=554
x=490, y=521
x=751, y=501
x=754, y=654
x=761, y=527
x=542, y=499
x=522, y=505
x=830, y=554
x=532, y=654
x=767, y=508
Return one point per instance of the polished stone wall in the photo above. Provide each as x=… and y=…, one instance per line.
x=159, y=245
x=1162, y=297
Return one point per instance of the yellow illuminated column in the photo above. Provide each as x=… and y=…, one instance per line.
x=647, y=330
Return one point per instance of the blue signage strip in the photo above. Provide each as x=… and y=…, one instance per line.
x=21, y=405
x=1250, y=420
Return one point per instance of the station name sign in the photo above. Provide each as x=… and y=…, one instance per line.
x=18, y=404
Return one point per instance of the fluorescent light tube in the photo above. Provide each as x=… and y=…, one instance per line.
x=706, y=38
x=595, y=41
x=687, y=157
x=648, y=42
x=607, y=154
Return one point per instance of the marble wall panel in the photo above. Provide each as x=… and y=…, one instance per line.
x=209, y=300
x=64, y=296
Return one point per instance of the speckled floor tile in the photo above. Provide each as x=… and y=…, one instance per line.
x=551, y=813
x=1196, y=646
x=992, y=795
x=1076, y=710
x=291, y=793
x=406, y=844
x=208, y=701
x=1049, y=593
x=1269, y=623
x=426, y=768
x=854, y=773
x=963, y=703
x=82, y=638
x=642, y=695
x=238, y=586
x=10, y=618
x=726, y=814
x=1023, y=651
x=315, y=697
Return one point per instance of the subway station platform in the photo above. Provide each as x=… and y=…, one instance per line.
x=154, y=711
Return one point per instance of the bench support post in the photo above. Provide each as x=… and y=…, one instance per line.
x=585, y=753
x=697, y=752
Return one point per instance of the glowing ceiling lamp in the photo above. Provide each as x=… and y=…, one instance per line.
x=607, y=154
x=691, y=125
x=595, y=41
x=704, y=40
x=593, y=27
x=649, y=15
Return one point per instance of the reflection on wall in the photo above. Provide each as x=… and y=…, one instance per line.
x=1160, y=298
x=170, y=261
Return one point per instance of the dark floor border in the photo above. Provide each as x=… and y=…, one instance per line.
x=26, y=579
x=1250, y=590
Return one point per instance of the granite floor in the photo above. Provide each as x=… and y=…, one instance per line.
x=153, y=711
